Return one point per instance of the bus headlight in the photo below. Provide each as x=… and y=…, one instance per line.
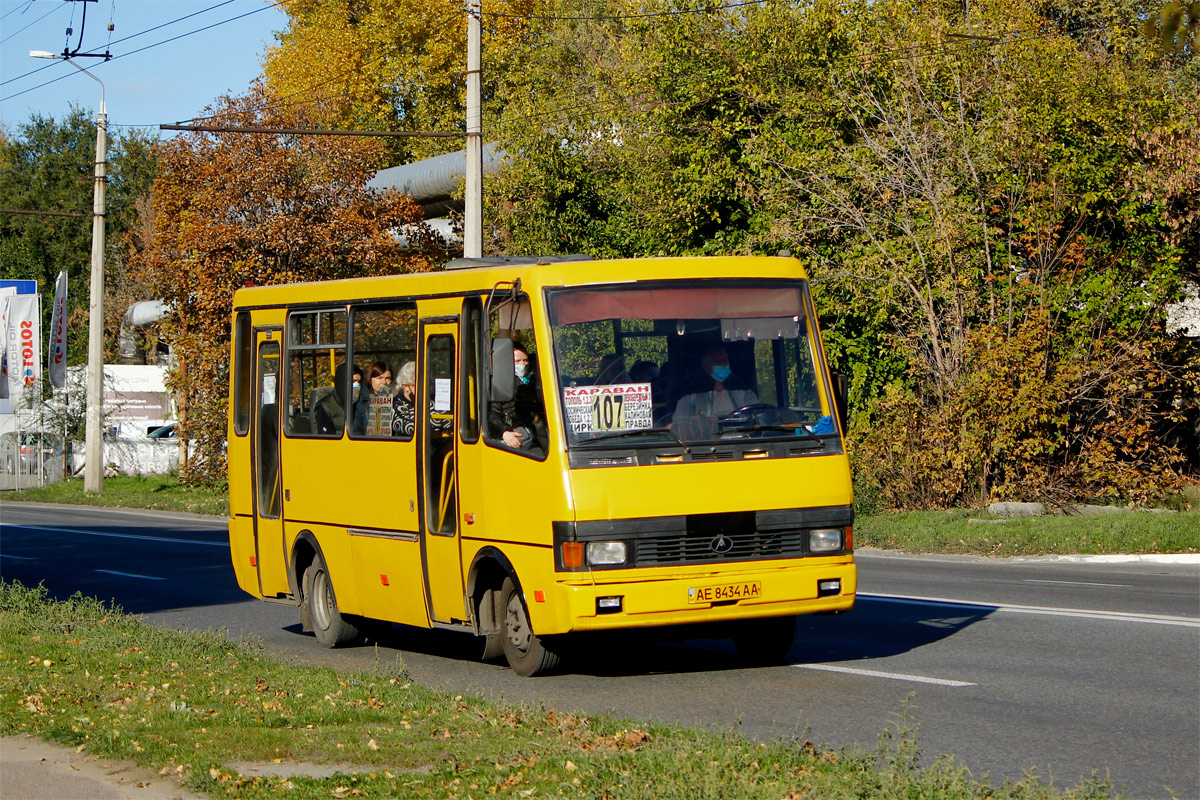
x=824, y=540
x=605, y=553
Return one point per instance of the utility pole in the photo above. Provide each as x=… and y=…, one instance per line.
x=473, y=216
x=93, y=474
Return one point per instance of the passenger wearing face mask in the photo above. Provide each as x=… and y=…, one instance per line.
x=404, y=405
x=520, y=423
x=722, y=398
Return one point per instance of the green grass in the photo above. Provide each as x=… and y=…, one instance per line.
x=185, y=704
x=159, y=492
x=1125, y=532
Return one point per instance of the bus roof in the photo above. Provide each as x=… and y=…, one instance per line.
x=533, y=276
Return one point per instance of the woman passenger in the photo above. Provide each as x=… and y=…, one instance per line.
x=404, y=408
x=379, y=378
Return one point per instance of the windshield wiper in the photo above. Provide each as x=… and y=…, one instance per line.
x=800, y=429
x=659, y=432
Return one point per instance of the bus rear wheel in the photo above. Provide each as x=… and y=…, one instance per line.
x=526, y=652
x=330, y=627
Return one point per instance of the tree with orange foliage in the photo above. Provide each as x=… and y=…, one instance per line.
x=234, y=209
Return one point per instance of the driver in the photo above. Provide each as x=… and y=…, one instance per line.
x=721, y=399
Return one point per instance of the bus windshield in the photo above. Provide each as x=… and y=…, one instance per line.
x=687, y=361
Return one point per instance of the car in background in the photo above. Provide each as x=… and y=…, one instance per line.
x=167, y=431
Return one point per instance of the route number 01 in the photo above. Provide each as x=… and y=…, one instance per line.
x=608, y=412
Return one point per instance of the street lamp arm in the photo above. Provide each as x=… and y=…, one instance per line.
x=56, y=57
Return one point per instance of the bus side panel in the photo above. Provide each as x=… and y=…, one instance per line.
x=390, y=583
x=241, y=481
x=356, y=483
x=513, y=498
x=241, y=551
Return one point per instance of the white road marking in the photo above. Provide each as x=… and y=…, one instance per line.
x=18, y=558
x=897, y=676
x=164, y=539
x=1122, y=616
x=1077, y=583
x=131, y=575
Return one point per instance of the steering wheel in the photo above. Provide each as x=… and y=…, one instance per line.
x=746, y=414
x=749, y=408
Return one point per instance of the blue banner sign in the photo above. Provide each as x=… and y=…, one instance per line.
x=22, y=287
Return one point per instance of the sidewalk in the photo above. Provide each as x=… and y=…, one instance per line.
x=32, y=769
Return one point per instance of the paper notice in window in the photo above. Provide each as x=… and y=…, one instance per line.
x=615, y=407
x=441, y=394
x=379, y=416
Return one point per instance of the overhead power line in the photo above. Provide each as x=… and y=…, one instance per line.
x=313, y=131
x=143, y=49
x=680, y=12
x=21, y=30
x=41, y=213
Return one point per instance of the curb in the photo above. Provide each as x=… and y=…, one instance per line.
x=1076, y=558
x=118, y=509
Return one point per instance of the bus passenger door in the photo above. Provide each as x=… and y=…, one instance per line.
x=268, y=502
x=439, y=474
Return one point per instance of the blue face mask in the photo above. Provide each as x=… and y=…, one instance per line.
x=721, y=373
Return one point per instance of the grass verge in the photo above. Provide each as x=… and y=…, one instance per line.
x=187, y=704
x=159, y=492
x=980, y=533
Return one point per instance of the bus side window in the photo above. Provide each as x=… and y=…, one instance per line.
x=316, y=406
x=523, y=417
x=243, y=356
x=470, y=384
x=384, y=341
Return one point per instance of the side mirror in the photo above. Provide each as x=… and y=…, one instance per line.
x=501, y=385
x=841, y=399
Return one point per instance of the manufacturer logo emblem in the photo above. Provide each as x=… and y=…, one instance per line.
x=721, y=545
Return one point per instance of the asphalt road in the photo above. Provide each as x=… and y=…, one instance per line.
x=1065, y=669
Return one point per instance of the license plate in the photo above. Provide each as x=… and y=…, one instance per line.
x=723, y=592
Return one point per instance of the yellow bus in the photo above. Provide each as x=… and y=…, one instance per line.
x=671, y=452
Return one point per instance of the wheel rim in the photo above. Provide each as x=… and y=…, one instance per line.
x=322, y=600
x=516, y=626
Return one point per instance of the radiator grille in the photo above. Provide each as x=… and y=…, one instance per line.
x=693, y=549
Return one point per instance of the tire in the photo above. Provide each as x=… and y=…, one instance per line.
x=526, y=652
x=764, y=641
x=331, y=628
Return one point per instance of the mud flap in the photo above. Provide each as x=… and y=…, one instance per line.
x=488, y=625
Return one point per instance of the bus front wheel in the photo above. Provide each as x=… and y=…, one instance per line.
x=331, y=628
x=526, y=652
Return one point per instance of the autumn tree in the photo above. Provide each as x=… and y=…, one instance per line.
x=236, y=209
x=392, y=65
